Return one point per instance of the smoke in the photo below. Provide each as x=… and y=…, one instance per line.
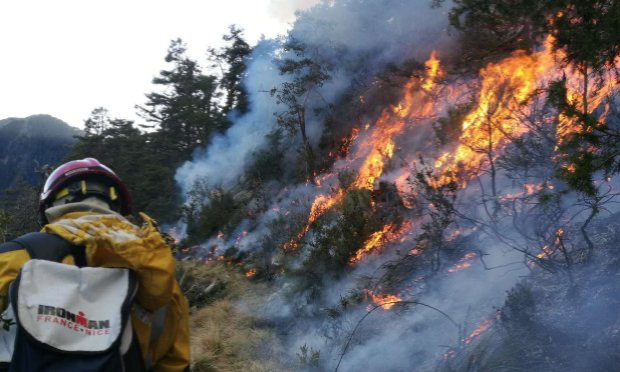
x=224, y=159
x=411, y=335
x=285, y=10
x=359, y=37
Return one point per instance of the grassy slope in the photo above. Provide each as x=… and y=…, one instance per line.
x=223, y=336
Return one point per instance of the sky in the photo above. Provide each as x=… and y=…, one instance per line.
x=66, y=57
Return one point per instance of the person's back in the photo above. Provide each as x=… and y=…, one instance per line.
x=83, y=203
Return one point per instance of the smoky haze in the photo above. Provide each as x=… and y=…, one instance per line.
x=466, y=283
x=342, y=31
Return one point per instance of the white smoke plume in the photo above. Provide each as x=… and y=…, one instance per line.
x=285, y=10
x=361, y=36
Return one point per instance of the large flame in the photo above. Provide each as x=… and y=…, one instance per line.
x=496, y=119
x=505, y=86
x=380, y=239
x=376, y=145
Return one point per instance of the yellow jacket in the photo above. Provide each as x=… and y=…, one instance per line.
x=110, y=240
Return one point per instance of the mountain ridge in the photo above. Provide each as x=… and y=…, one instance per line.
x=26, y=142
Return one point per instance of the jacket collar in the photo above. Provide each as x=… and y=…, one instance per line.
x=93, y=205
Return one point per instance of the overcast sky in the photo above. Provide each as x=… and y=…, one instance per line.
x=66, y=57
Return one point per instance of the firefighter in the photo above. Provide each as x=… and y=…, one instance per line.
x=84, y=203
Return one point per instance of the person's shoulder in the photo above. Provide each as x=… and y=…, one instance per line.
x=10, y=247
x=150, y=225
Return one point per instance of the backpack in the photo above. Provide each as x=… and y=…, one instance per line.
x=68, y=318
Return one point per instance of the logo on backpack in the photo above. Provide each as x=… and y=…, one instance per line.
x=75, y=322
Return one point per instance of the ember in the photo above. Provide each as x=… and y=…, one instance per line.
x=463, y=263
x=386, y=302
x=477, y=332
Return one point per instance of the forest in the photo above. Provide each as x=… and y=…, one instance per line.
x=392, y=185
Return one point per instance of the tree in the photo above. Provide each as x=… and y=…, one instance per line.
x=92, y=142
x=232, y=60
x=19, y=213
x=494, y=28
x=585, y=39
x=186, y=113
x=5, y=222
x=307, y=76
x=135, y=157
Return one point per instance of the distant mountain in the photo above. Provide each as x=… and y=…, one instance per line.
x=24, y=142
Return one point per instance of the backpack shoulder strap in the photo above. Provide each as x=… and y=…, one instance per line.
x=158, y=324
x=10, y=247
x=43, y=246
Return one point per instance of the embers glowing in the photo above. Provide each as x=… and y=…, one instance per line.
x=250, y=273
x=477, y=332
x=378, y=240
x=465, y=262
x=320, y=205
x=386, y=302
x=376, y=147
x=372, y=243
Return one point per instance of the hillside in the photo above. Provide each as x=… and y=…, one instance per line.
x=24, y=142
x=394, y=185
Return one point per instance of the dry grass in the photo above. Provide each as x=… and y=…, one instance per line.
x=225, y=338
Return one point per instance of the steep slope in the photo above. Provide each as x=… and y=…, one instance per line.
x=25, y=142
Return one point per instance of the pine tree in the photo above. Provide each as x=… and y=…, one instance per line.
x=186, y=112
x=135, y=158
x=307, y=76
x=232, y=60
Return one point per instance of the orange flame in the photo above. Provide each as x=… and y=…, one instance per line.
x=464, y=262
x=378, y=240
x=371, y=243
x=320, y=205
x=250, y=273
x=491, y=125
x=378, y=146
x=433, y=72
x=386, y=302
x=478, y=331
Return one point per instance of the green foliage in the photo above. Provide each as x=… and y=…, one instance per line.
x=520, y=307
x=448, y=129
x=220, y=213
x=231, y=59
x=591, y=149
x=586, y=30
x=18, y=211
x=5, y=222
x=135, y=157
x=186, y=113
x=308, y=356
x=346, y=178
x=308, y=74
x=267, y=162
x=441, y=213
x=336, y=243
